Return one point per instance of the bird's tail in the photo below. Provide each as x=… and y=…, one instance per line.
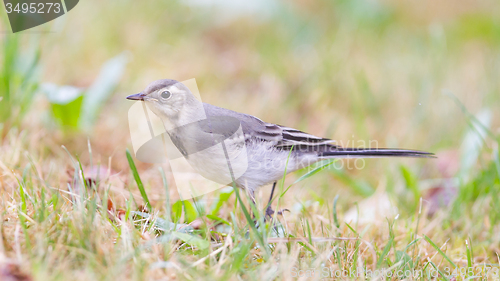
x=341, y=152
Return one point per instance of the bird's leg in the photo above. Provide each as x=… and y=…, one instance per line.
x=269, y=210
x=272, y=193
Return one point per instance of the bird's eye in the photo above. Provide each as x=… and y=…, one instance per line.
x=165, y=95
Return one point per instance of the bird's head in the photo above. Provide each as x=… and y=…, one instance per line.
x=168, y=99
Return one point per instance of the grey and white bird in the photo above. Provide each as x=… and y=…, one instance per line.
x=259, y=152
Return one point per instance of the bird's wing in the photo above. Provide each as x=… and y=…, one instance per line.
x=283, y=137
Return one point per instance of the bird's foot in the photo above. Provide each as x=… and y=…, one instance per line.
x=270, y=212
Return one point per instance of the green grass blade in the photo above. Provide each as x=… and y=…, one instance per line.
x=218, y=219
x=167, y=194
x=315, y=170
x=385, y=252
x=469, y=253
x=258, y=235
x=309, y=235
x=439, y=250
x=335, y=218
x=439, y=270
x=192, y=240
x=138, y=179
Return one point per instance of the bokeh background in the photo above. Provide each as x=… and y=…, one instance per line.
x=411, y=74
x=353, y=71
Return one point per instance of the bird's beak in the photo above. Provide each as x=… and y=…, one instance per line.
x=139, y=96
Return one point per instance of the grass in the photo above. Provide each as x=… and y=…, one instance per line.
x=79, y=205
x=75, y=231
x=19, y=72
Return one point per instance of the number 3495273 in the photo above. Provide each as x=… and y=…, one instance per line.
x=33, y=8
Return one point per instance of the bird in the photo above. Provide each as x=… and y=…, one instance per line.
x=259, y=153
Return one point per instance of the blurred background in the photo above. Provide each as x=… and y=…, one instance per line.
x=410, y=74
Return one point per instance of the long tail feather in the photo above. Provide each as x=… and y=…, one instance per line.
x=374, y=153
